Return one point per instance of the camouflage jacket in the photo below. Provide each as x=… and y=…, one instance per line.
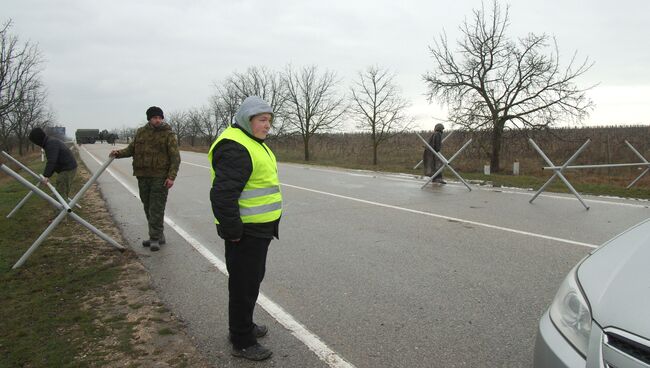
x=155, y=152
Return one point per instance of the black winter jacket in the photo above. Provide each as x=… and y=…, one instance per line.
x=59, y=157
x=233, y=167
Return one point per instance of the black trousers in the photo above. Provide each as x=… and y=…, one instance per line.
x=246, y=263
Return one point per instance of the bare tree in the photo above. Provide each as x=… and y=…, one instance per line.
x=178, y=121
x=378, y=106
x=7, y=129
x=211, y=123
x=493, y=82
x=19, y=76
x=255, y=81
x=261, y=82
x=193, y=123
x=221, y=116
x=313, y=102
x=227, y=100
x=19, y=69
x=30, y=112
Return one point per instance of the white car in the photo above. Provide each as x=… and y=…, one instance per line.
x=600, y=316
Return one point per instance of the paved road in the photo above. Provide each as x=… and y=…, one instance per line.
x=378, y=272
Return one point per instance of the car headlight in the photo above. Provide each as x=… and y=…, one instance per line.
x=570, y=313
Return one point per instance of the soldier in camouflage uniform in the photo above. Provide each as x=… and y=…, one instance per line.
x=155, y=163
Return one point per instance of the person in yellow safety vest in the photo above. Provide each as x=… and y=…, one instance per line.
x=247, y=205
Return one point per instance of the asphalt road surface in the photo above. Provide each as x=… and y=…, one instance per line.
x=370, y=270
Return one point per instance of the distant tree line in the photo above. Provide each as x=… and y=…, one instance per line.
x=23, y=97
x=306, y=101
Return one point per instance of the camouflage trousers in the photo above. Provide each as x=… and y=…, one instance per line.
x=153, y=195
x=64, y=181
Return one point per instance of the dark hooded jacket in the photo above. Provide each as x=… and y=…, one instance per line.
x=59, y=156
x=233, y=167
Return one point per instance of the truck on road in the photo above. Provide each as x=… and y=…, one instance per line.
x=85, y=136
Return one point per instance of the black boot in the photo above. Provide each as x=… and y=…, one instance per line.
x=161, y=241
x=255, y=352
x=154, y=245
x=260, y=331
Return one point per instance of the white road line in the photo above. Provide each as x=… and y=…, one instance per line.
x=447, y=217
x=312, y=341
x=535, y=235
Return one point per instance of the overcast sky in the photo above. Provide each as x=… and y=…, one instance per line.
x=107, y=61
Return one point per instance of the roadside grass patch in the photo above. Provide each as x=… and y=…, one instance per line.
x=43, y=321
x=166, y=331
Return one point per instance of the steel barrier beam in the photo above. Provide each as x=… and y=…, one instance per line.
x=642, y=159
x=64, y=207
x=557, y=171
x=443, y=141
x=445, y=162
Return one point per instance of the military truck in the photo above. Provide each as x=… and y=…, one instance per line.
x=85, y=136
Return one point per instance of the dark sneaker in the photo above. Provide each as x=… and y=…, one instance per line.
x=260, y=331
x=154, y=245
x=254, y=352
x=146, y=243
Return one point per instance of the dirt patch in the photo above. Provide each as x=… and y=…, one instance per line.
x=140, y=330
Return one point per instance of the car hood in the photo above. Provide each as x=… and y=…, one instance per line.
x=616, y=281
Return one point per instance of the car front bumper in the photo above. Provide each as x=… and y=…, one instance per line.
x=552, y=350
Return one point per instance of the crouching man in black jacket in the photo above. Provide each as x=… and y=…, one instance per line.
x=247, y=205
x=60, y=160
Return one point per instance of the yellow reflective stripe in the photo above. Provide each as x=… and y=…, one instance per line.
x=265, y=217
x=254, y=193
x=258, y=210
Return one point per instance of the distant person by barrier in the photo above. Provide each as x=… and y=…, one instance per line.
x=431, y=163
